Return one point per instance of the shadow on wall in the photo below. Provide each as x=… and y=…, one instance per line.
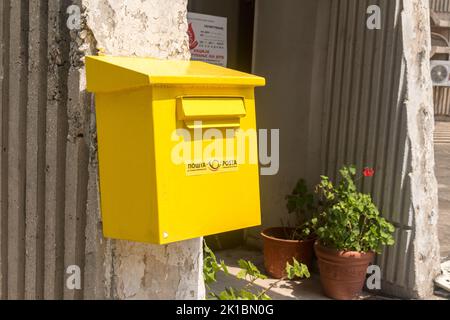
x=290, y=51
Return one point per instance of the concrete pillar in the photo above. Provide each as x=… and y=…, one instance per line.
x=154, y=28
x=418, y=100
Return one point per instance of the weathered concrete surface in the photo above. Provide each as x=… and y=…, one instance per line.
x=154, y=28
x=158, y=272
x=420, y=126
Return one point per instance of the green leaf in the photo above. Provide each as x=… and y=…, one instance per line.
x=241, y=274
x=224, y=267
x=243, y=264
x=296, y=270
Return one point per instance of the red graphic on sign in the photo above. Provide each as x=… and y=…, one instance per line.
x=192, y=42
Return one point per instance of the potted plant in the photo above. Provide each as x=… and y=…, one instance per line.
x=283, y=245
x=351, y=232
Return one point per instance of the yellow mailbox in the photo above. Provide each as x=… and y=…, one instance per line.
x=177, y=148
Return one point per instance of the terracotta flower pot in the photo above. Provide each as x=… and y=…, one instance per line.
x=342, y=273
x=278, y=251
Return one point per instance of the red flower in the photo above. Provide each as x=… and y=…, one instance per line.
x=368, y=172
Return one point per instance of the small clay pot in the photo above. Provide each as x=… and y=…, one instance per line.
x=342, y=273
x=278, y=251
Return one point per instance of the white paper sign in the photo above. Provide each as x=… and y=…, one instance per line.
x=208, y=38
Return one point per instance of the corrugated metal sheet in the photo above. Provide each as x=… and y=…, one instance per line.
x=441, y=101
x=441, y=6
x=365, y=120
x=45, y=173
x=441, y=94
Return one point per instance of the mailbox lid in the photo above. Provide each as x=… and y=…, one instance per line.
x=108, y=74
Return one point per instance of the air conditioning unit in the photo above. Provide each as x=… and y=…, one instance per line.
x=440, y=73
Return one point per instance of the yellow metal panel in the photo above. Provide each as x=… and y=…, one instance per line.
x=217, y=123
x=105, y=73
x=126, y=165
x=108, y=77
x=199, y=108
x=209, y=203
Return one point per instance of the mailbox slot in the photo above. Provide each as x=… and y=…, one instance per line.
x=212, y=112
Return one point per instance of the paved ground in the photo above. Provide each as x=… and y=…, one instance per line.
x=442, y=149
x=286, y=290
x=309, y=289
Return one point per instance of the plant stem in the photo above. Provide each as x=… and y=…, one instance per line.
x=273, y=285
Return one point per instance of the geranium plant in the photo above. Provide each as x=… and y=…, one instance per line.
x=348, y=219
x=302, y=203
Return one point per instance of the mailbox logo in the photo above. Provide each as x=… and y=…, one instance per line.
x=214, y=165
x=211, y=167
x=203, y=151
